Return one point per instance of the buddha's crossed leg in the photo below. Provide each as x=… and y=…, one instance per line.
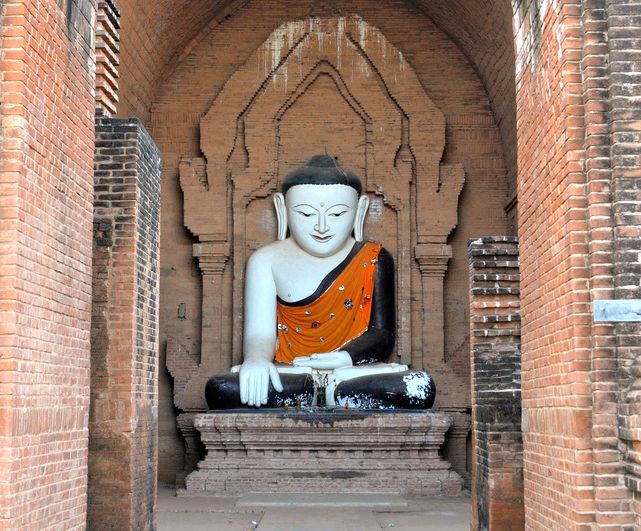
x=382, y=387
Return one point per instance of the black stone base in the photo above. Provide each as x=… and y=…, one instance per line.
x=401, y=390
x=223, y=392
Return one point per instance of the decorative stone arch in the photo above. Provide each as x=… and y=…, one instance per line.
x=401, y=143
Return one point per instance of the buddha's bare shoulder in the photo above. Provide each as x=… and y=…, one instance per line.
x=272, y=252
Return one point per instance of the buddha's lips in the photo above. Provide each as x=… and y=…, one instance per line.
x=322, y=239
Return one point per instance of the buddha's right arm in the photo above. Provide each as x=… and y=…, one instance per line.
x=259, y=334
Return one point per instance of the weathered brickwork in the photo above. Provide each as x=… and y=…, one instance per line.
x=483, y=32
x=495, y=338
x=623, y=81
x=46, y=152
x=124, y=333
x=556, y=310
x=107, y=56
x=608, y=485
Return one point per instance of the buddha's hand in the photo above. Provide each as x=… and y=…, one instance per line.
x=327, y=360
x=254, y=378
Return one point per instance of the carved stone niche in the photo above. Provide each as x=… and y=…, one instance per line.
x=319, y=85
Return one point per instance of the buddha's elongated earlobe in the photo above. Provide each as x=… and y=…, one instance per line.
x=281, y=214
x=361, y=211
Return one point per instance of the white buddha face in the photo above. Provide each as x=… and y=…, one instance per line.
x=321, y=216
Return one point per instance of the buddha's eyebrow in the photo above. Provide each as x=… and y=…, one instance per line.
x=305, y=205
x=340, y=205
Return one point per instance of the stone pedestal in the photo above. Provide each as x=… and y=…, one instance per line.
x=323, y=451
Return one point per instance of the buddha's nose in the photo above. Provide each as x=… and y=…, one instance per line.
x=321, y=224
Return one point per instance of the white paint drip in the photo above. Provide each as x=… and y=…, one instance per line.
x=363, y=28
x=328, y=33
x=279, y=43
x=340, y=35
x=361, y=401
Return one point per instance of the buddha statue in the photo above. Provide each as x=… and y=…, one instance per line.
x=319, y=307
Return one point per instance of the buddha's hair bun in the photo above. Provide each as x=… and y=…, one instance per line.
x=322, y=169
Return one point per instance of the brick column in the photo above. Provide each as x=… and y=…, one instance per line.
x=625, y=138
x=124, y=330
x=497, y=482
x=212, y=258
x=432, y=261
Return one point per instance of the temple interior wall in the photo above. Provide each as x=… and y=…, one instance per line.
x=481, y=30
x=471, y=139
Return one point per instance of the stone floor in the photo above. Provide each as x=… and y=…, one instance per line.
x=304, y=512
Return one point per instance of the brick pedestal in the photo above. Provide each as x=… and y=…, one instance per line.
x=324, y=451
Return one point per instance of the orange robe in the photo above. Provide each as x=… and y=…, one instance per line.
x=336, y=317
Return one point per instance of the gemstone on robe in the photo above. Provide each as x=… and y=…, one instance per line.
x=349, y=304
x=315, y=324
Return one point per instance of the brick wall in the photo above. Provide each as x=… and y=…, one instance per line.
x=483, y=32
x=154, y=35
x=46, y=151
x=612, y=498
x=124, y=332
x=579, y=196
x=577, y=129
x=495, y=337
x=107, y=56
x=553, y=224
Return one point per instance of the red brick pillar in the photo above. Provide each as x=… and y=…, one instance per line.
x=497, y=475
x=46, y=154
x=124, y=331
